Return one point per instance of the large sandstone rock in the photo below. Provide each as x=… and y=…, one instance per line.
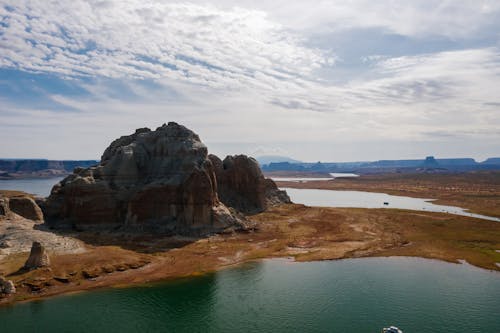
x=38, y=257
x=158, y=180
x=20, y=204
x=26, y=207
x=242, y=185
x=162, y=181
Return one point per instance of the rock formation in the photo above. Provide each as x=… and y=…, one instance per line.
x=21, y=204
x=4, y=207
x=242, y=185
x=38, y=257
x=158, y=180
x=26, y=207
x=7, y=286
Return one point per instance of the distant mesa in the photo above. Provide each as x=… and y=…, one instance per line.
x=492, y=161
x=162, y=181
x=267, y=159
x=429, y=164
x=36, y=168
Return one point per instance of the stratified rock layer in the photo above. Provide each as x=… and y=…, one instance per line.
x=38, y=257
x=26, y=207
x=242, y=185
x=21, y=204
x=158, y=180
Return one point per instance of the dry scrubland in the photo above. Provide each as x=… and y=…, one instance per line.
x=290, y=230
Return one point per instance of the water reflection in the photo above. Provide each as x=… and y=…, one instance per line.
x=359, y=295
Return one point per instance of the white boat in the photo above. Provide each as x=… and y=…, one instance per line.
x=392, y=329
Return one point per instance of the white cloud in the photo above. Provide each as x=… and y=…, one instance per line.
x=245, y=74
x=152, y=40
x=455, y=19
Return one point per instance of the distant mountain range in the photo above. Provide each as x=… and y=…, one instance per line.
x=25, y=168
x=429, y=164
x=35, y=168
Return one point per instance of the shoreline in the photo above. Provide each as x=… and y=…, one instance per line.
x=475, y=192
x=291, y=260
x=288, y=231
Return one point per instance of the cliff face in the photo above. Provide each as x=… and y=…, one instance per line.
x=242, y=185
x=158, y=180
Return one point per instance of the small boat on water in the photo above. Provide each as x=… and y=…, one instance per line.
x=392, y=329
x=386, y=203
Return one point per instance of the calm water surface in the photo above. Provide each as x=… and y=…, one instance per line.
x=40, y=186
x=310, y=179
x=330, y=198
x=359, y=295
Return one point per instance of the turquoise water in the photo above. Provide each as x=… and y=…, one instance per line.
x=359, y=295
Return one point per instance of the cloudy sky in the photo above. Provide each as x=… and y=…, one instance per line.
x=333, y=81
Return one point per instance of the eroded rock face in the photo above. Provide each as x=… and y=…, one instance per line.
x=26, y=207
x=20, y=204
x=242, y=185
x=158, y=180
x=162, y=181
x=38, y=257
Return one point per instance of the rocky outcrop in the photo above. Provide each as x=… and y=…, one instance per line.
x=162, y=181
x=158, y=180
x=242, y=185
x=26, y=207
x=4, y=207
x=38, y=257
x=7, y=286
x=21, y=204
x=274, y=196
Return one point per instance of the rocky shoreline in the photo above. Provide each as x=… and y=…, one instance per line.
x=285, y=231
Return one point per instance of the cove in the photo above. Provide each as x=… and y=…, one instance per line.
x=353, y=295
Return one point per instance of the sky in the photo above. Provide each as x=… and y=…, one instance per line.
x=316, y=81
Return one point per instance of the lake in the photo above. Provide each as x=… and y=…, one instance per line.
x=355, y=295
x=310, y=179
x=359, y=199
x=37, y=186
